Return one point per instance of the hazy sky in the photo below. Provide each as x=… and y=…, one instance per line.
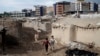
x=13, y=5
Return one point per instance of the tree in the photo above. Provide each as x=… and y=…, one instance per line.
x=6, y=14
x=1, y=15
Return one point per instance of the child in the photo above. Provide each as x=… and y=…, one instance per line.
x=52, y=42
x=46, y=44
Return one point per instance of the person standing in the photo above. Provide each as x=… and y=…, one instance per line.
x=52, y=42
x=46, y=45
x=3, y=34
x=36, y=37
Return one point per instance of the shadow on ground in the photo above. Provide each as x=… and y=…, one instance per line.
x=23, y=44
x=12, y=45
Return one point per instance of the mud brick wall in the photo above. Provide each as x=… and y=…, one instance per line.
x=25, y=35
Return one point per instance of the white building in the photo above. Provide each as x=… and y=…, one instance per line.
x=17, y=14
x=72, y=6
x=40, y=10
x=82, y=6
x=92, y=6
x=98, y=7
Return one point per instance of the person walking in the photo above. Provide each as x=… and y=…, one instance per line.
x=52, y=42
x=46, y=44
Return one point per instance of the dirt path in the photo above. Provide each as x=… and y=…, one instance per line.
x=38, y=50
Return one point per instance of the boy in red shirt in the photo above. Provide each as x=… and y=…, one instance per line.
x=46, y=44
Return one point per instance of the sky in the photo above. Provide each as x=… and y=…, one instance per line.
x=18, y=5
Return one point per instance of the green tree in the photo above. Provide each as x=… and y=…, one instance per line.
x=6, y=14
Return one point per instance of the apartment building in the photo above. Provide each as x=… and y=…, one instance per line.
x=69, y=7
x=98, y=7
x=50, y=10
x=61, y=7
x=94, y=7
x=40, y=10
x=28, y=12
x=17, y=14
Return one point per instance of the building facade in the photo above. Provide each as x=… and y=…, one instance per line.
x=40, y=10
x=86, y=7
x=82, y=6
x=98, y=7
x=17, y=14
x=23, y=13
x=28, y=12
x=69, y=7
x=50, y=10
x=72, y=7
x=94, y=7
x=61, y=7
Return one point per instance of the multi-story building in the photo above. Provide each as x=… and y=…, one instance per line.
x=72, y=6
x=98, y=7
x=28, y=12
x=61, y=7
x=94, y=7
x=82, y=6
x=40, y=10
x=23, y=13
x=68, y=7
x=17, y=14
x=86, y=7
x=71, y=9
x=50, y=10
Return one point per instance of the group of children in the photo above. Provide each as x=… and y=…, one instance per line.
x=49, y=43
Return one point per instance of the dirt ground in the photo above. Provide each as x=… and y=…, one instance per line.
x=37, y=49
